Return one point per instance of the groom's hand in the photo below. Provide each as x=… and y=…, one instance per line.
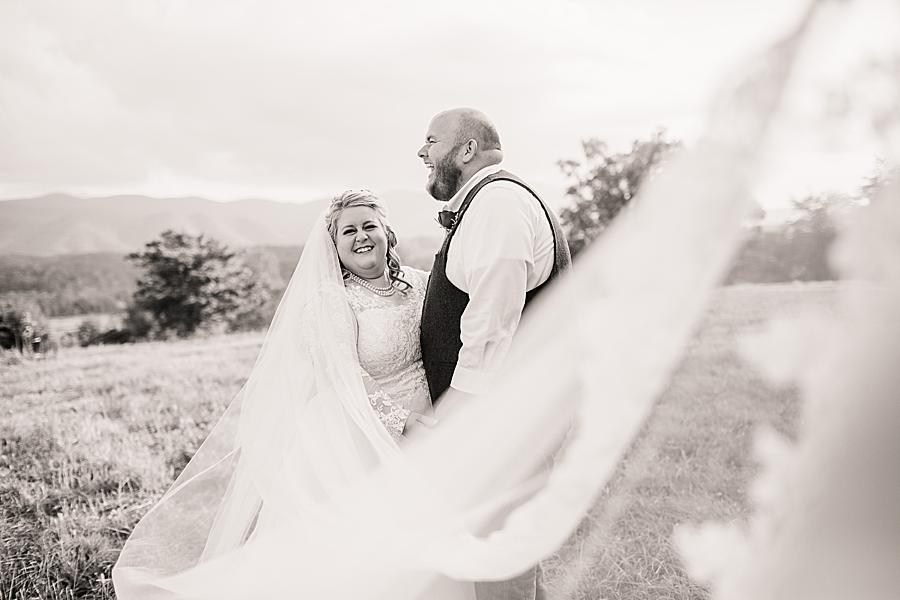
x=453, y=399
x=456, y=395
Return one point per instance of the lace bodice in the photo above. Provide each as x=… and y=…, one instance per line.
x=389, y=351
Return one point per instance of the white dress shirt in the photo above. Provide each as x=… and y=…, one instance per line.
x=502, y=248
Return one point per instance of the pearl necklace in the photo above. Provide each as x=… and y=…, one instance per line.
x=385, y=291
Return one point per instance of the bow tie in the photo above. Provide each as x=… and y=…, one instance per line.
x=446, y=218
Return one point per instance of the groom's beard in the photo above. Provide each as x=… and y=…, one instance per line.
x=445, y=179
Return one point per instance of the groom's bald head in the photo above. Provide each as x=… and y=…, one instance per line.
x=459, y=143
x=471, y=124
x=474, y=136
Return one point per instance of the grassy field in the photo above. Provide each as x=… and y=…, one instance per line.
x=90, y=439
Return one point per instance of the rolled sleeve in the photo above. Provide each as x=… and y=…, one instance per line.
x=489, y=323
x=497, y=240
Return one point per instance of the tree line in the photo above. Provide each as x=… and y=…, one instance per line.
x=179, y=284
x=603, y=183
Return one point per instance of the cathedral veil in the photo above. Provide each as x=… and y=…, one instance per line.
x=299, y=491
x=303, y=411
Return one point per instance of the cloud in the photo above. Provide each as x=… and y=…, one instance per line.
x=291, y=99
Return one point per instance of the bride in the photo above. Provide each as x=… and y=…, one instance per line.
x=337, y=385
x=386, y=301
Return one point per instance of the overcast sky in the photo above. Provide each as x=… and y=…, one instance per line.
x=296, y=100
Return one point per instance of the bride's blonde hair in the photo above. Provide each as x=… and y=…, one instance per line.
x=363, y=197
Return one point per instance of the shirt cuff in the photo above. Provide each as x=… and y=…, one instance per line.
x=471, y=381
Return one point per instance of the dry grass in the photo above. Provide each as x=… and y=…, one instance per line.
x=88, y=440
x=692, y=460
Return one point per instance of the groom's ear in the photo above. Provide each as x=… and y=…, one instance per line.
x=469, y=150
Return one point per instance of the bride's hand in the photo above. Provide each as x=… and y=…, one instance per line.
x=415, y=422
x=420, y=419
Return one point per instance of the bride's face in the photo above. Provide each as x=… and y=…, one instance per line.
x=361, y=242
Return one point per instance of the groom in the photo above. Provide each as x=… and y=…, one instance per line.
x=502, y=247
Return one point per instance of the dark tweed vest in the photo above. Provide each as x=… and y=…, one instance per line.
x=445, y=303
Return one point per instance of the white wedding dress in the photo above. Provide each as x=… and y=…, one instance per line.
x=264, y=499
x=389, y=352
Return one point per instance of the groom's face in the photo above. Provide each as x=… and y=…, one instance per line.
x=444, y=179
x=439, y=155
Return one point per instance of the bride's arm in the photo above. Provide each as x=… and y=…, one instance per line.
x=342, y=336
x=392, y=416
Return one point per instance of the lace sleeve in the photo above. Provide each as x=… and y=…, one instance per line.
x=321, y=320
x=392, y=416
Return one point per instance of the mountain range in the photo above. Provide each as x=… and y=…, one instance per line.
x=62, y=224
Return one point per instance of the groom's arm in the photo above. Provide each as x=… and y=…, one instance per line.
x=495, y=243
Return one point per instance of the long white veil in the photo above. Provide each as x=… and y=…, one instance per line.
x=300, y=492
x=299, y=431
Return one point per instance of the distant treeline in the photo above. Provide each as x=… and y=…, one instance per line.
x=78, y=284
x=792, y=252
x=603, y=183
x=104, y=283
x=68, y=285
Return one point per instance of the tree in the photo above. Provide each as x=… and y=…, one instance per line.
x=22, y=326
x=796, y=250
x=878, y=183
x=605, y=183
x=87, y=332
x=192, y=283
x=809, y=238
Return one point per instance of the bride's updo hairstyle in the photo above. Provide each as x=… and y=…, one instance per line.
x=363, y=197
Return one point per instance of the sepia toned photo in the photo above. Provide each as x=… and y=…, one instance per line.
x=499, y=300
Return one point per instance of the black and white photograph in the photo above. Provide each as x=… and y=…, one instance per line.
x=497, y=300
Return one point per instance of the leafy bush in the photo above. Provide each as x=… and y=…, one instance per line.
x=22, y=326
x=87, y=333
x=192, y=283
x=605, y=182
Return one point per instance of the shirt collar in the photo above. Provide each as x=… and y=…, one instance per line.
x=454, y=203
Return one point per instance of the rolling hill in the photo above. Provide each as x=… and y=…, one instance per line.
x=64, y=255
x=60, y=224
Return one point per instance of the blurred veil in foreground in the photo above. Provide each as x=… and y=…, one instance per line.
x=299, y=492
x=826, y=507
